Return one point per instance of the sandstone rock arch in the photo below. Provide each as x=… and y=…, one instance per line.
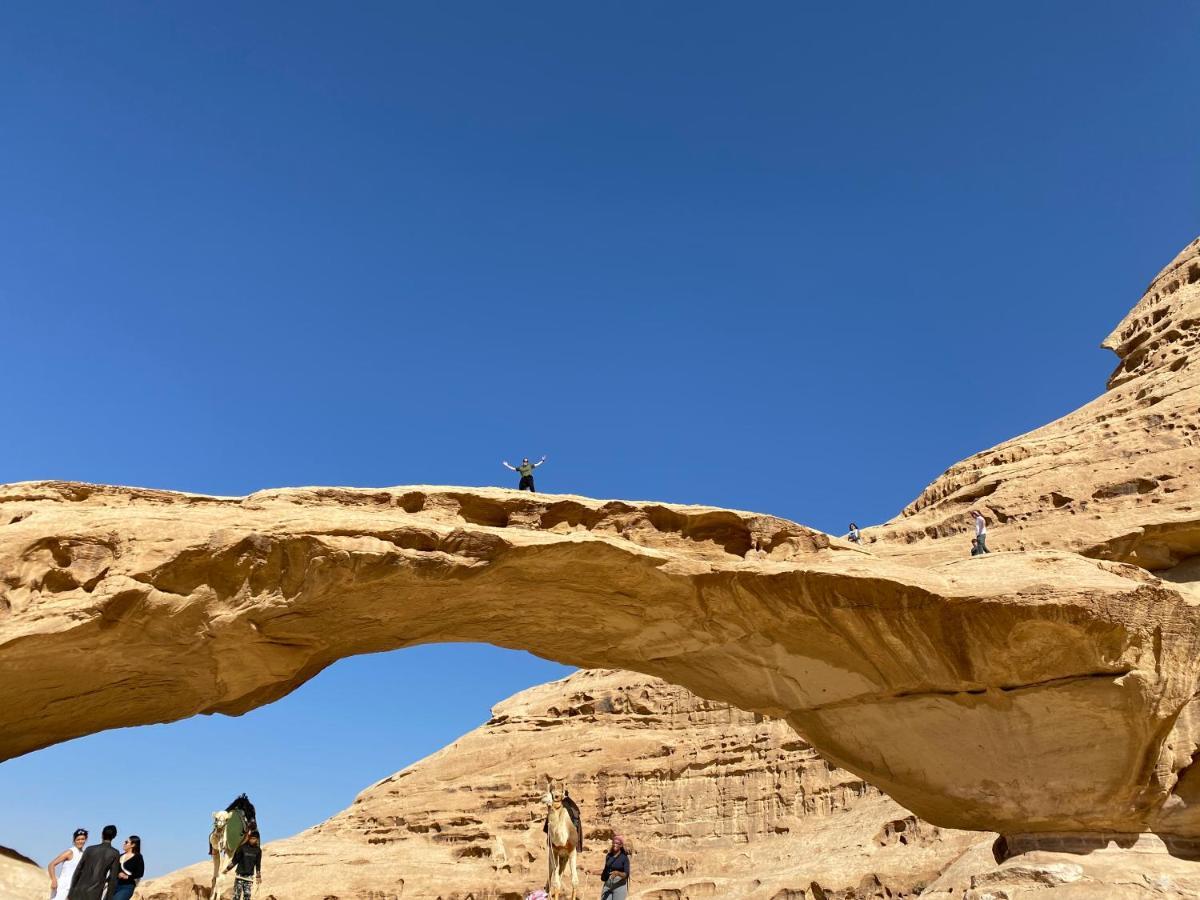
x=1022, y=692
x=1037, y=691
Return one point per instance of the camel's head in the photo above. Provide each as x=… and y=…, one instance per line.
x=220, y=818
x=556, y=789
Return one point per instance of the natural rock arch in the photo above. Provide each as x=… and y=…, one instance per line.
x=1016, y=693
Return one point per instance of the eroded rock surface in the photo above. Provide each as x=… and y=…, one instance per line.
x=1022, y=692
x=715, y=802
x=1039, y=691
x=21, y=877
x=1117, y=479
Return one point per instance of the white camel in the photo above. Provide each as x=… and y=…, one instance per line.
x=219, y=850
x=562, y=840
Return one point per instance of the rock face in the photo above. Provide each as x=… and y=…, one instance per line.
x=1118, y=479
x=21, y=877
x=1032, y=692
x=1023, y=692
x=715, y=802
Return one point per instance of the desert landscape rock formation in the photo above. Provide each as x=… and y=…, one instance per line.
x=1022, y=692
x=1047, y=694
x=715, y=802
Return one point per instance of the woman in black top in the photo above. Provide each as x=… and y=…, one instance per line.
x=133, y=867
x=616, y=871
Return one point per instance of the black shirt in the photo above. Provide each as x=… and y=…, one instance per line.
x=248, y=860
x=616, y=862
x=135, y=867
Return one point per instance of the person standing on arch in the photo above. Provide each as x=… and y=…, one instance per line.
x=525, y=469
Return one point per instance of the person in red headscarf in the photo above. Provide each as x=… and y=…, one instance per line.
x=616, y=871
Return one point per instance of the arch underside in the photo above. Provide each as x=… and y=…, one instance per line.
x=1016, y=693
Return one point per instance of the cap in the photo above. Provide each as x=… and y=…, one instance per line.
x=80, y=832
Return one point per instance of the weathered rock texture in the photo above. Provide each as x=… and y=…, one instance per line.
x=715, y=802
x=1024, y=692
x=21, y=877
x=1118, y=479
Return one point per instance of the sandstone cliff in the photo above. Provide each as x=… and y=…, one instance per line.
x=1039, y=693
x=1023, y=692
x=715, y=802
x=1117, y=479
x=21, y=877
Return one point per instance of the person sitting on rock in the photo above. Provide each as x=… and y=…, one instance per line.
x=854, y=534
x=526, y=471
x=980, y=531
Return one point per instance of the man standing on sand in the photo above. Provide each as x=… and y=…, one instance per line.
x=97, y=869
x=526, y=471
x=980, y=533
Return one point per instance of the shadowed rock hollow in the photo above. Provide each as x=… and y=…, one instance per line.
x=1039, y=691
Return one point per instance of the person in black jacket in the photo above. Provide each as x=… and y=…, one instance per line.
x=133, y=867
x=616, y=871
x=248, y=859
x=98, y=868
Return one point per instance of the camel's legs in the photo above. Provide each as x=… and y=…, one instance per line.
x=574, y=876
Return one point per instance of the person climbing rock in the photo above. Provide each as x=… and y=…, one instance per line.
x=525, y=469
x=854, y=534
x=980, y=533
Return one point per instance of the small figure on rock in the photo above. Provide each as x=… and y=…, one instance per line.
x=616, y=871
x=854, y=534
x=525, y=469
x=980, y=533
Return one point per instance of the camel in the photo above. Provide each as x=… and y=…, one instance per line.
x=562, y=840
x=219, y=850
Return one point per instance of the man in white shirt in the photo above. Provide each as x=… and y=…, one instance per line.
x=980, y=531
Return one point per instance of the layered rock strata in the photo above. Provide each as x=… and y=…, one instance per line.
x=715, y=802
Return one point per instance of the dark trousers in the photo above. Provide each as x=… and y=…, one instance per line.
x=526, y=483
x=981, y=540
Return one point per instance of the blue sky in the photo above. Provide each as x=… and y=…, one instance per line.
x=779, y=257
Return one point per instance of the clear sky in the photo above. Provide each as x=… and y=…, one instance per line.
x=788, y=257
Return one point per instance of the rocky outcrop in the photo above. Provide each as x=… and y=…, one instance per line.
x=1034, y=692
x=21, y=877
x=715, y=802
x=1023, y=692
x=1118, y=479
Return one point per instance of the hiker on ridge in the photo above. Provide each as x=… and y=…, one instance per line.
x=525, y=469
x=854, y=534
x=980, y=533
